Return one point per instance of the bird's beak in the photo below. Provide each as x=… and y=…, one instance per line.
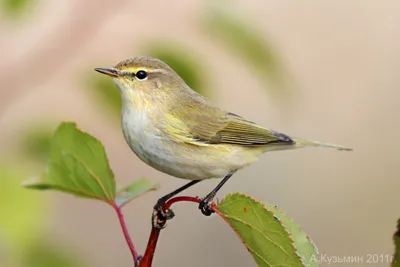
x=110, y=72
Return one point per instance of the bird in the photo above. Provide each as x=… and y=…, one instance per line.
x=179, y=132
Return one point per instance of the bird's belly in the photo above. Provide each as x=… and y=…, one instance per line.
x=170, y=158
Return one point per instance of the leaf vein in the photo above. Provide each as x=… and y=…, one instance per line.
x=260, y=231
x=92, y=174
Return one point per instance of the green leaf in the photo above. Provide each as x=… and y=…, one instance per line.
x=263, y=233
x=305, y=247
x=396, y=239
x=45, y=254
x=105, y=93
x=133, y=190
x=78, y=165
x=245, y=41
x=182, y=61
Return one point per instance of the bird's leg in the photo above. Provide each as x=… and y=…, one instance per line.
x=205, y=203
x=160, y=216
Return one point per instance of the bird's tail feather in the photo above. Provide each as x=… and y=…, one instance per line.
x=302, y=143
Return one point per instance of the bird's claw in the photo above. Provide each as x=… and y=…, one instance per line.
x=139, y=258
x=160, y=216
x=205, y=206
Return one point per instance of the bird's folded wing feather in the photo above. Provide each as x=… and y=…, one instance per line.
x=220, y=127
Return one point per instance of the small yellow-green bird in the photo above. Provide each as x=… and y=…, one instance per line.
x=179, y=132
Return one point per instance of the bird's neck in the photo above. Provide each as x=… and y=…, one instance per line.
x=138, y=101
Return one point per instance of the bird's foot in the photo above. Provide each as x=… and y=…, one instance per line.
x=139, y=258
x=205, y=206
x=160, y=216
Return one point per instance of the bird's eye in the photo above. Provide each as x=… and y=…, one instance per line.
x=141, y=75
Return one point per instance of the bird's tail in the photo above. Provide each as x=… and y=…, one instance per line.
x=302, y=143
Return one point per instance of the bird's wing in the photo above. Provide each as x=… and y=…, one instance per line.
x=227, y=128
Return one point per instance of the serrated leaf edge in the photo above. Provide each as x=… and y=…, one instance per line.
x=35, y=181
x=74, y=124
x=291, y=219
x=273, y=213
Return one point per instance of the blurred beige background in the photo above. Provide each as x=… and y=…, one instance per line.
x=343, y=58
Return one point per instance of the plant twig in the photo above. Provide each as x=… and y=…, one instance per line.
x=126, y=234
x=173, y=200
x=147, y=259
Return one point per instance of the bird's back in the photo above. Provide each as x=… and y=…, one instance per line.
x=201, y=122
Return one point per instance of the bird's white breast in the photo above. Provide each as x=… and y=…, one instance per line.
x=136, y=127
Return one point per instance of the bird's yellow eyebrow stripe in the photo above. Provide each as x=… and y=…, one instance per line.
x=134, y=69
x=137, y=68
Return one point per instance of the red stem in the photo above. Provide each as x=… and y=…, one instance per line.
x=147, y=259
x=126, y=233
x=171, y=201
